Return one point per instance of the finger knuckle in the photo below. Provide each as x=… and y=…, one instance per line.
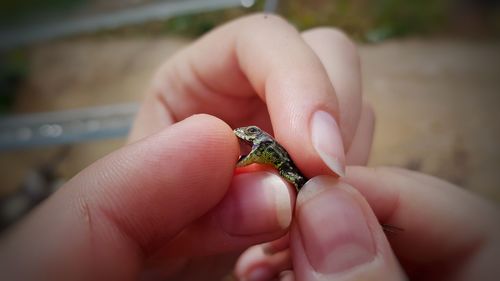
x=333, y=37
x=266, y=21
x=331, y=34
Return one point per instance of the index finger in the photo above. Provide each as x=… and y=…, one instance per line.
x=237, y=70
x=441, y=222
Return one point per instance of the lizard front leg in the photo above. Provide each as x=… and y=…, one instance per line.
x=246, y=160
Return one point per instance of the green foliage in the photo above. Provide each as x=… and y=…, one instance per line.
x=16, y=11
x=13, y=70
x=371, y=20
x=190, y=25
x=198, y=24
x=400, y=18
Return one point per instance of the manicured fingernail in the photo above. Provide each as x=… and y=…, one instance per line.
x=327, y=141
x=255, y=203
x=334, y=230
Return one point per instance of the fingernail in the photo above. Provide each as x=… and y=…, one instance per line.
x=258, y=274
x=334, y=230
x=256, y=203
x=327, y=141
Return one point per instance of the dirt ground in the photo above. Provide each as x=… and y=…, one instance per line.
x=436, y=102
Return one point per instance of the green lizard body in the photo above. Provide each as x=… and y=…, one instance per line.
x=265, y=150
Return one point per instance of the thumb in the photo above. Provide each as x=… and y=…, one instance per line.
x=115, y=213
x=336, y=236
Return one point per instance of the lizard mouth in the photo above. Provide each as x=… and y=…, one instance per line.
x=245, y=148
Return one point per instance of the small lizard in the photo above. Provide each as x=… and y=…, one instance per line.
x=266, y=150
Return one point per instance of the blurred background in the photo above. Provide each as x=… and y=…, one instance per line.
x=72, y=73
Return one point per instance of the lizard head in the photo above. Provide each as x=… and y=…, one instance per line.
x=248, y=134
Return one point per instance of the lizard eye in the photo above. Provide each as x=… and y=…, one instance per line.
x=252, y=130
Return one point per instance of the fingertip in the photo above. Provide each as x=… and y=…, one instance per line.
x=257, y=265
x=186, y=167
x=384, y=199
x=256, y=203
x=199, y=140
x=334, y=36
x=338, y=235
x=256, y=208
x=359, y=151
x=327, y=141
x=211, y=129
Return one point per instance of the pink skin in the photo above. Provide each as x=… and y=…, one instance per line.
x=261, y=85
x=428, y=209
x=159, y=205
x=169, y=205
x=135, y=208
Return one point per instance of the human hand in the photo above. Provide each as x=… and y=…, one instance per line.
x=154, y=198
x=157, y=206
x=260, y=71
x=448, y=233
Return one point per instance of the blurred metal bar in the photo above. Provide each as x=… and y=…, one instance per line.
x=60, y=127
x=70, y=126
x=19, y=36
x=271, y=6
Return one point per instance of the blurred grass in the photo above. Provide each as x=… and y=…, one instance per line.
x=19, y=11
x=371, y=20
x=377, y=20
x=13, y=70
x=364, y=20
x=189, y=25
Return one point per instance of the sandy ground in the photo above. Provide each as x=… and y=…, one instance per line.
x=436, y=102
